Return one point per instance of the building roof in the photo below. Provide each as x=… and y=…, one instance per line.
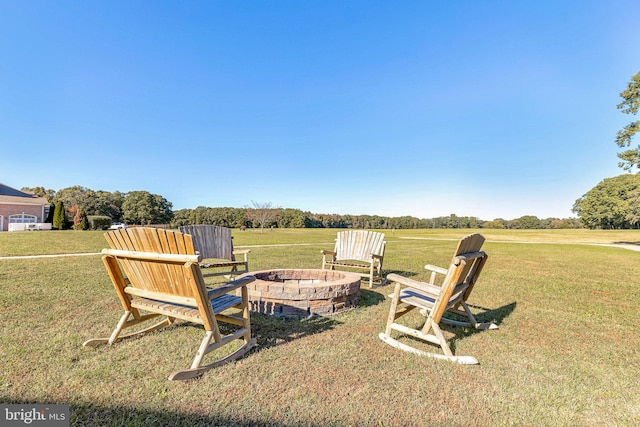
x=13, y=196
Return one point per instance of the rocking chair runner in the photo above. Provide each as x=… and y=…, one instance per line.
x=157, y=271
x=434, y=301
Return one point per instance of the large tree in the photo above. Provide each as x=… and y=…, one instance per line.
x=142, y=207
x=630, y=158
x=613, y=203
x=93, y=202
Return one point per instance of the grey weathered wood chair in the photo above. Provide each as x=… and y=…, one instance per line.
x=435, y=300
x=155, y=273
x=215, y=245
x=357, y=250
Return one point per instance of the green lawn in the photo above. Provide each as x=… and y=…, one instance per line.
x=566, y=352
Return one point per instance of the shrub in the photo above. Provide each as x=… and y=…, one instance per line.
x=99, y=222
x=59, y=217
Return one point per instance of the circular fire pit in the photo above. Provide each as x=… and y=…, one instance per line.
x=303, y=293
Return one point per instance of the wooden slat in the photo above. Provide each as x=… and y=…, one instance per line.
x=153, y=259
x=152, y=256
x=211, y=241
x=358, y=245
x=190, y=314
x=174, y=299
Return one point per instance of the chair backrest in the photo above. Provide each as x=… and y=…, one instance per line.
x=471, y=243
x=359, y=245
x=211, y=241
x=466, y=265
x=156, y=262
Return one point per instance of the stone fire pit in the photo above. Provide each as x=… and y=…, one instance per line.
x=303, y=293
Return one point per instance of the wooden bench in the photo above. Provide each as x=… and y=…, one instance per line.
x=156, y=273
x=357, y=250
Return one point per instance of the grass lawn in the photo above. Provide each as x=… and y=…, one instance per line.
x=566, y=353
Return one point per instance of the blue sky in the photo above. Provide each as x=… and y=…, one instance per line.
x=425, y=108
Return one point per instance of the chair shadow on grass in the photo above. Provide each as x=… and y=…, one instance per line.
x=369, y=298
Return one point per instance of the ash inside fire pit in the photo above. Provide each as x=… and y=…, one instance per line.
x=303, y=293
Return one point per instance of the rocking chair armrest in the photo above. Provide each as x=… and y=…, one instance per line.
x=230, y=286
x=326, y=252
x=411, y=283
x=376, y=256
x=436, y=269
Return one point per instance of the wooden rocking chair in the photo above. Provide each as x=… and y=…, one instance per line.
x=215, y=246
x=157, y=271
x=357, y=250
x=434, y=301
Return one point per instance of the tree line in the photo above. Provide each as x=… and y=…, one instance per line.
x=296, y=218
x=82, y=208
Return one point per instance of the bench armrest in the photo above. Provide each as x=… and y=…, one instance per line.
x=228, y=287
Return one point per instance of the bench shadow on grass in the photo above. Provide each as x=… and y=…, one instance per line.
x=273, y=331
x=91, y=414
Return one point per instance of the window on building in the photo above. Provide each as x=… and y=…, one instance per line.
x=23, y=219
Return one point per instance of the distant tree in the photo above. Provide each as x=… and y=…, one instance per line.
x=630, y=105
x=80, y=221
x=291, y=218
x=59, y=216
x=529, y=222
x=182, y=217
x=74, y=213
x=99, y=222
x=142, y=207
x=498, y=223
x=263, y=214
x=74, y=196
x=40, y=192
x=105, y=203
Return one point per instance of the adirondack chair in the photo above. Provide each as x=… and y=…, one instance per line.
x=157, y=271
x=357, y=250
x=435, y=300
x=215, y=245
